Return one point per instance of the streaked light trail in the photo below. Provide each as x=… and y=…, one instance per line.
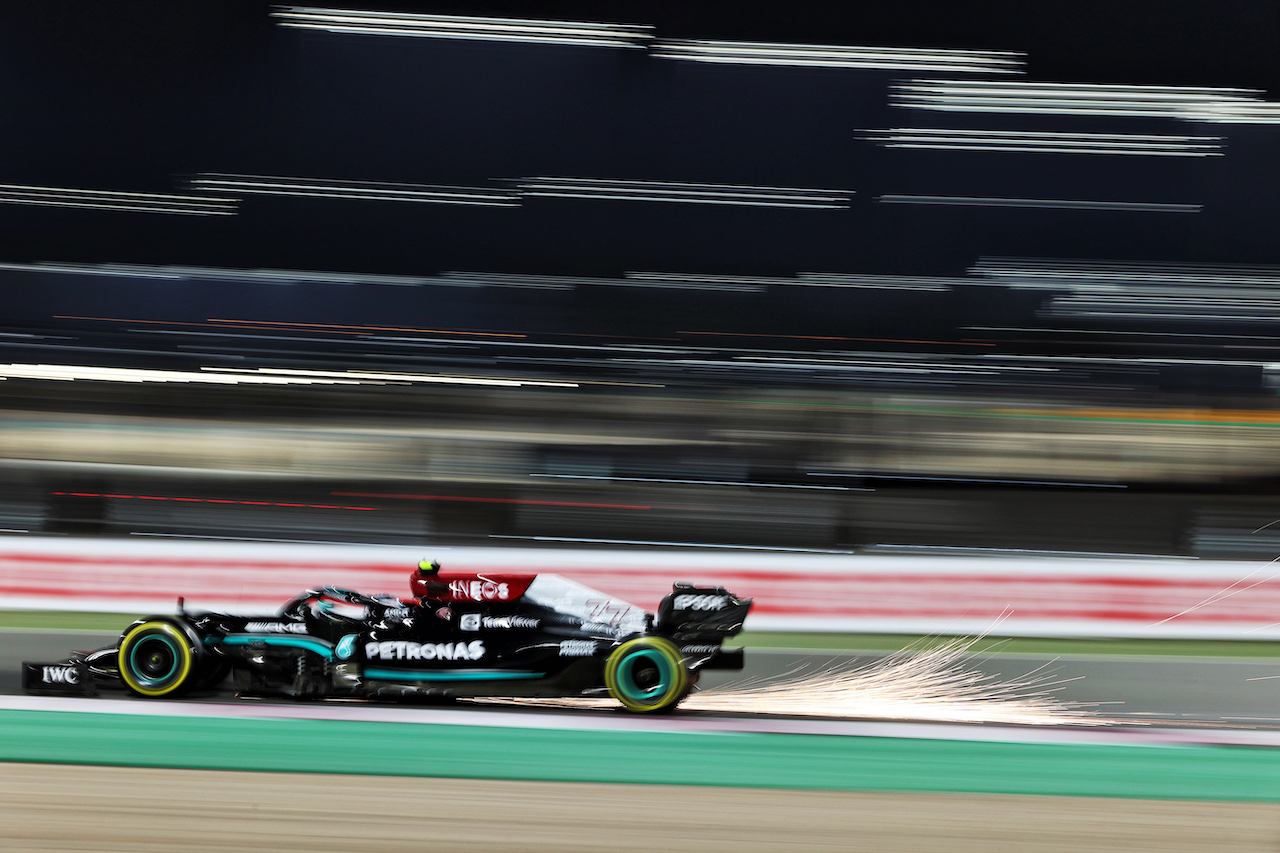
x=463, y=27
x=1026, y=271
x=213, y=501
x=355, y=190
x=459, y=278
x=406, y=378
x=665, y=480
x=564, y=282
x=1131, y=290
x=1049, y=143
x=804, y=279
x=131, y=202
x=254, y=376
x=1225, y=106
x=730, y=194
x=176, y=273
x=71, y=373
x=476, y=499
x=336, y=327
x=1049, y=203
x=840, y=56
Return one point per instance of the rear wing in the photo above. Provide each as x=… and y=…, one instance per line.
x=691, y=614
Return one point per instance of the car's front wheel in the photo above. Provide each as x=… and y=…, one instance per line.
x=647, y=675
x=157, y=659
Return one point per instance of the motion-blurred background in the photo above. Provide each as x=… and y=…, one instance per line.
x=914, y=276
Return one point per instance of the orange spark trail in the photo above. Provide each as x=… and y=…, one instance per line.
x=932, y=685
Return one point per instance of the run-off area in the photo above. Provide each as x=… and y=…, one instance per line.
x=139, y=810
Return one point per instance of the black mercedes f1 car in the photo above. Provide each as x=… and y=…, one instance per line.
x=460, y=635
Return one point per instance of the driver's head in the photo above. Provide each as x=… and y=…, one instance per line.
x=428, y=567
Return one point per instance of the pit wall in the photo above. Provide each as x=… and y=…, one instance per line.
x=1007, y=596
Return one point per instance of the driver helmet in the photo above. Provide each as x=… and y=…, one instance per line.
x=428, y=567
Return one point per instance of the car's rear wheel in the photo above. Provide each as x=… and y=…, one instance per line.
x=157, y=659
x=647, y=675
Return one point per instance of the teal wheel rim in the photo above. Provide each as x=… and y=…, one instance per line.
x=653, y=665
x=153, y=659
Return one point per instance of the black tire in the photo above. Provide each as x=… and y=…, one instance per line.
x=210, y=673
x=647, y=675
x=157, y=659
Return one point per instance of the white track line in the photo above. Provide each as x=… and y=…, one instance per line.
x=677, y=724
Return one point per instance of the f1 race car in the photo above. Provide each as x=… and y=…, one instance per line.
x=460, y=635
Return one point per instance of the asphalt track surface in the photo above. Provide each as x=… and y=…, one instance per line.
x=72, y=807
x=1184, y=691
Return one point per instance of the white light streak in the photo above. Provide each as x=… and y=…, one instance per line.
x=384, y=340
x=840, y=56
x=357, y=190
x=290, y=277
x=1161, y=306
x=1049, y=143
x=175, y=273
x=1127, y=290
x=562, y=282
x=1026, y=271
x=71, y=373
x=1222, y=106
x=687, y=193
x=804, y=279
x=746, y=283
x=461, y=27
x=879, y=282
x=257, y=376
x=1049, y=203
x=690, y=482
x=458, y=278
x=361, y=377
x=131, y=202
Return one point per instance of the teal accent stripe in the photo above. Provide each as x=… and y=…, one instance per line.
x=446, y=675
x=311, y=644
x=647, y=757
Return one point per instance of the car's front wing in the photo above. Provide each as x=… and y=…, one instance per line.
x=64, y=677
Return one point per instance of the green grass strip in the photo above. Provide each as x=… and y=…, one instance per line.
x=66, y=620
x=680, y=758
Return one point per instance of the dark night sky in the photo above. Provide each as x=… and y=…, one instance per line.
x=142, y=96
x=139, y=95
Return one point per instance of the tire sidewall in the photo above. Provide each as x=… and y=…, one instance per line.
x=176, y=640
